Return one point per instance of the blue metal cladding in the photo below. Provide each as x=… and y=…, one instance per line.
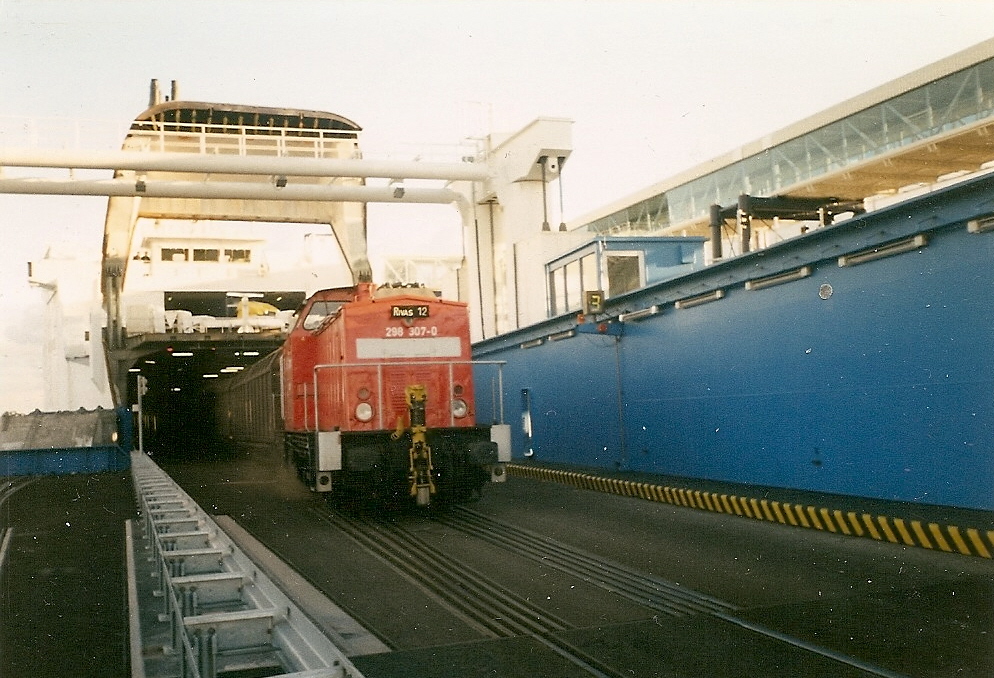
x=874, y=380
x=878, y=391
x=55, y=443
x=64, y=461
x=538, y=383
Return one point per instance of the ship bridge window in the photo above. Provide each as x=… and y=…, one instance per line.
x=206, y=255
x=238, y=256
x=318, y=312
x=175, y=254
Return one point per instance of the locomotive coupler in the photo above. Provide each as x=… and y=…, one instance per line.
x=420, y=469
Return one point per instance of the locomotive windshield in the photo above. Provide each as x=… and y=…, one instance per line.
x=318, y=312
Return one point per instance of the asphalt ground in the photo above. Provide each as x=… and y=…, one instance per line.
x=916, y=612
x=912, y=611
x=63, y=608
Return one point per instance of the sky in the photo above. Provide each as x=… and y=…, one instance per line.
x=653, y=87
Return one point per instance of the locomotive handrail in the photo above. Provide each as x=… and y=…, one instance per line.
x=394, y=363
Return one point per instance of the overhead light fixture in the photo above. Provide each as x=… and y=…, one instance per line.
x=778, y=279
x=885, y=250
x=211, y=376
x=706, y=298
x=182, y=354
x=250, y=353
x=981, y=224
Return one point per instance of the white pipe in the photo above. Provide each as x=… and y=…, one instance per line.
x=238, y=164
x=228, y=190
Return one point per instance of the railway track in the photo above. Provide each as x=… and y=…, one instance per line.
x=483, y=604
x=651, y=592
x=648, y=591
x=495, y=612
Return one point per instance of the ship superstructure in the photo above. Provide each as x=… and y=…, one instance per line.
x=187, y=270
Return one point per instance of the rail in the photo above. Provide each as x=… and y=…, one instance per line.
x=497, y=404
x=219, y=613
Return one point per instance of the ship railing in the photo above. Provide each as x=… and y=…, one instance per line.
x=243, y=140
x=496, y=389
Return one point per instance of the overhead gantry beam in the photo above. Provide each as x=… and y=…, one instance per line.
x=228, y=190
x=152, y=161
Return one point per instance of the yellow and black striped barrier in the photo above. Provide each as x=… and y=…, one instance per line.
x=968, y=541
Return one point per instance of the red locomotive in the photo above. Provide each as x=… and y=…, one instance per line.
x=377, y=394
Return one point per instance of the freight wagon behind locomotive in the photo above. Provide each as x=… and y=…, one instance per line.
x=372, y=395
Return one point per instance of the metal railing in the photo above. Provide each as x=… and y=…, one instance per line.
x=497, y=404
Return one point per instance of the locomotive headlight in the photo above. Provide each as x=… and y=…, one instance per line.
x=459, y=408
x=363, y=412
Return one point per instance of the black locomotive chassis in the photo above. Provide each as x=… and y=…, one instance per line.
x=376, y=466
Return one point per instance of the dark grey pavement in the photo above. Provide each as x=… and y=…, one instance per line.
x=63, y=608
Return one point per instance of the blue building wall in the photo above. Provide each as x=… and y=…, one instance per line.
x=543, y=418
x=884, y=389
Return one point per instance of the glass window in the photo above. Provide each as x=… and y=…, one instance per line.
x=551, y=292
x=591, y=278
x=558, y=292
x=206, y=255
x=574, y=294
x=318, y=311
x=238, y=256
x=623, y=273
x=174, y=254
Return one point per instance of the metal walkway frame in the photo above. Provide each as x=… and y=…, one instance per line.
x=214, y=611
